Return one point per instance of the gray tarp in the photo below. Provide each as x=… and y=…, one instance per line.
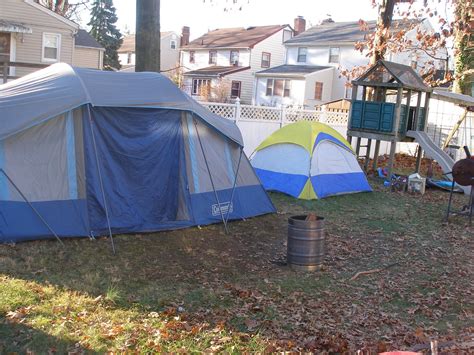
x=459, y=99
x=44, y=94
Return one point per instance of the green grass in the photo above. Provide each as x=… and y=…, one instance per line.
x=203, y=290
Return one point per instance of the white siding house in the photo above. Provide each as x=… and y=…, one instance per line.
x=169, y=52
x=221, y=64
x=31, y=33
x=294, y=85
x=331, y=44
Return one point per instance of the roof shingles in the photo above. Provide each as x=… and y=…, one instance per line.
x=292, y=70
x=84, y=39
x=234, y=37
x=216, y=71
x=341, y=32
x=128, y=44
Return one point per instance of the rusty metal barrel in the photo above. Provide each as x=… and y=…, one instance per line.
x=305, y=246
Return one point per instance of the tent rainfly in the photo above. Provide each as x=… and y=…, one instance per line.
x=88, y=153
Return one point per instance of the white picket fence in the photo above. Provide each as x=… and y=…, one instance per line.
x=284, y=115
x=257, y=122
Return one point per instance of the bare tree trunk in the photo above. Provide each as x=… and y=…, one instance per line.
x=384, y=21
x=147, y=38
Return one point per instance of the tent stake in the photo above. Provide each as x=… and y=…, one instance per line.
x=100, y=181
x=32, y=207
x=233, y=187
x=210, y=177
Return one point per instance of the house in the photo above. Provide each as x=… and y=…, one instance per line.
x=314, y=58
x=286, y=85
x=88, y=53
x=31, y=33
x=169, y=52
x=221, y=64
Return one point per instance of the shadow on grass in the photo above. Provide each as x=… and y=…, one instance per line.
x=19, y=338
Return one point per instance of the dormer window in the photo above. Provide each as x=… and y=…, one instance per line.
x=234, y=57
x=302, y=54
x=212, y=57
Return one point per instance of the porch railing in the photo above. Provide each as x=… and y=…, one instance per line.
x=5, y=66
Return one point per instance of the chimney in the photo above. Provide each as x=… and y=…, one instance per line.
x=300, y=25
x=185, y=31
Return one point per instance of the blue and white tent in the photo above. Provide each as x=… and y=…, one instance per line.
x=84, y=150
x=308, y=160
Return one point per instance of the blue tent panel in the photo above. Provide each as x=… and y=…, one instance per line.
x=291, y=184
x=18, y=222
x=140, y=156
x=333, y=184
x=248, y=201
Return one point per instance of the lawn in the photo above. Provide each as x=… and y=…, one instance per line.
x=202, y=290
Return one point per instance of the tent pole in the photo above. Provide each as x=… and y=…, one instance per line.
x=32, y=207
x=100, y=181
x=210, y=177
x=235, y=184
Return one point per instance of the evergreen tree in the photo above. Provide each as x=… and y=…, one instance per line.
x=103, y=29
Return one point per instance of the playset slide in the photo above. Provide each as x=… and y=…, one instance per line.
x=436, y=153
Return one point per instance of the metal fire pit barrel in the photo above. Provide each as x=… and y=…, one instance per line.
x=305, y=247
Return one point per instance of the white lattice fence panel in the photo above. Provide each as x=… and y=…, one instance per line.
x=223, y=110
x=337, y=118
x=302, y=115
x=260, y=113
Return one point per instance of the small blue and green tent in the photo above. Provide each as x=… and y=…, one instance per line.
x=86, y=152
x=308, y=160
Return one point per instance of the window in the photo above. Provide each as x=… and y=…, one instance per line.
x=234, y=57
x=51, y=47
x=334, y=55
x=286, y=88
x=173, y=44
x=414, y=64
x=212, y=57
x=201, y=87
x=318, y=90
x=235, y=89
x=348, y=92
x=278, y=87
x=129, y=58
x=302, y=54
x=269, y=91
x=266, y=60
x=191, y=56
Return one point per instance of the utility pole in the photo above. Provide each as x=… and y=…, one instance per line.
x=147, y=37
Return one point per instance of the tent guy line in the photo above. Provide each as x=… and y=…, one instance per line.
x=32, y=207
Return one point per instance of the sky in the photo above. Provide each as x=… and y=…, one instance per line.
x=204, y=15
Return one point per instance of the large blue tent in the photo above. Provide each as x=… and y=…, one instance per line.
x=86, y=153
